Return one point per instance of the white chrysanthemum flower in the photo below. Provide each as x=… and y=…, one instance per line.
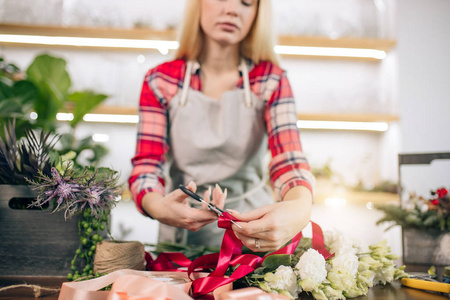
x=384, y=275
x=311, y=269
x=338, y=243
x=284, y=278
x=331, y=293
x=346, y=263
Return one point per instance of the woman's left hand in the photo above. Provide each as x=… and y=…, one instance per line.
x=270, y=227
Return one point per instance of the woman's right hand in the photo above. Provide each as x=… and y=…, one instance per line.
x=174, y=209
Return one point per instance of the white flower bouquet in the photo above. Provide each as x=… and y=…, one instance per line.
x=348, y=274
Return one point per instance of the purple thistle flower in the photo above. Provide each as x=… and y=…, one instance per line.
x=76, y=190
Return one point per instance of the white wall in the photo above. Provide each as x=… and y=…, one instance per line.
x=424, y=86
x=424, y=74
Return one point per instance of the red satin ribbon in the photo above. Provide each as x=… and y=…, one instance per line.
x=230, y=255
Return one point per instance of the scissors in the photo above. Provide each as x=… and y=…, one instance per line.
x=425, y=281
x=212, y=207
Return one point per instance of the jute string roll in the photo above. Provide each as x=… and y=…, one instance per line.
x=112, y=256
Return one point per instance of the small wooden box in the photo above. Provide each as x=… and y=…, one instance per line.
x=34, y=242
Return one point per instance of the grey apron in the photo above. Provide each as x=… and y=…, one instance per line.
x=217, y=141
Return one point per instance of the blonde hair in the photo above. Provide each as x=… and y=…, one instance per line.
x=257, y=45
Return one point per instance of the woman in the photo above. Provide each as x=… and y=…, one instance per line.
x=213, y=112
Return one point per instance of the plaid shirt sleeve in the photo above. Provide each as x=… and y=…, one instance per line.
x=288, y=167
x=160, y=85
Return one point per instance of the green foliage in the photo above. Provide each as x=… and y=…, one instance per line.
x=272, y=262
x=49, y=75
x=90, y=231
x=71, y=148
x=413, y=218
x=17, y=97
x=26, y=158
x=45, y=89
x=190, y=251
x=84, y=103
x=325, y=171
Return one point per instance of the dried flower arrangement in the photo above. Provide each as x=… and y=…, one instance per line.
x=90, y=193
x=87, y=192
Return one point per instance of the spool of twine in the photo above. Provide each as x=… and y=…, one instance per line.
x=112, y=256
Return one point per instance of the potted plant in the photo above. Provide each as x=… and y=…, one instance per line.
x=39, y=195
x=425, y=225
x=28, y=235
x=89, y=193
x=44, y=89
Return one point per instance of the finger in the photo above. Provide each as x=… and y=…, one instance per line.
x=221, y=202
x=179, y=196
x=198, y=215
x=247, y=219
x=206, y=198
x=256, y=246
x=256, y=229
x=251, y=215
x=219, y=197
x=192, y=186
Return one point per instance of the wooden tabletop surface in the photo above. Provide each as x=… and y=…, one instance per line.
x=392, y=291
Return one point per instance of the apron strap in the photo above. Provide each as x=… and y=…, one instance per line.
x=187, y=83
x=247, y=92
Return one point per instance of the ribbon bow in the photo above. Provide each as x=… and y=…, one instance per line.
x=230, y=255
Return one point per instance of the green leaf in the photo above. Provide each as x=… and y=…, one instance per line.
x=5, y=88
x=84, y=102
x=46, y=68
x=26, y=91
x=10, y=108
x=49, y=75
x=17, y=100
x=272, y=262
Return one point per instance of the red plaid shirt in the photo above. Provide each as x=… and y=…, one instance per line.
x=268, y=82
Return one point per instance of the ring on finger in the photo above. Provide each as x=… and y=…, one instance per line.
x=257, y=245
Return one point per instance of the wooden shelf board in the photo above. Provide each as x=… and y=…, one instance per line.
x=125, y=110
x=360, y=43
x=171, y=34
x=101, y=32
x=348, y=117
x=361, y=198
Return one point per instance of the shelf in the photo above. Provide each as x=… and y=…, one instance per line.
x=142, y=34
x=359, y=43
x=326, y=189
x=348, y=117
x=125, y=110
x=115, y=33
x=360, y=198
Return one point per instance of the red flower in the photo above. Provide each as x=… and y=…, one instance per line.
x=435, y=201
x=441, y=193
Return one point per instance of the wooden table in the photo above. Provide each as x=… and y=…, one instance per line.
x=392, y=291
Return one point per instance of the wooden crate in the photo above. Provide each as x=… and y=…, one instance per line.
x=34, y=242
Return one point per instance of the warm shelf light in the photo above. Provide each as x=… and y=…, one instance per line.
x=325, y=125
x=165, y=46
x=335, y=202
x=341, y=125
x=100, y=137
x=162, y=46
x=330, y=51
x=64, y=116
x=106, y=118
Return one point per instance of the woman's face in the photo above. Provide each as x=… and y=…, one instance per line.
x=227, y=22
